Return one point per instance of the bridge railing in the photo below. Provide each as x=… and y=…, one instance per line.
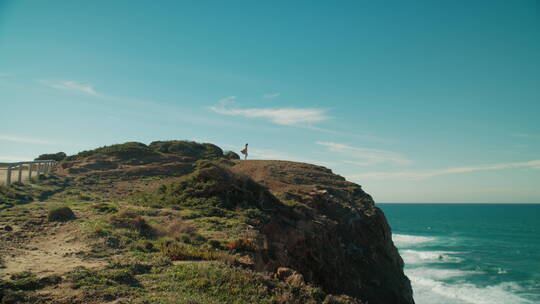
x=37, y=166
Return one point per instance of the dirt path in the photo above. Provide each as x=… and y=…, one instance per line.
x=49, y=248
x=56, y=253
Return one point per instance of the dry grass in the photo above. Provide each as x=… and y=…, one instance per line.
x=242, y=244
x=178, y=251
x=179, y=227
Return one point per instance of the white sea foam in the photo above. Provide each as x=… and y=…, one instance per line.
x=430, y=291
x=405, y=240
x=415, y=257
x=439, y=274
x=434, y=285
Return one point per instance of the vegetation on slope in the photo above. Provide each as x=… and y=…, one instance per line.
x=198, y=232
x=123, y=151
x=211, y=190
x=141, y=245
x=137, y=150
x=15, y=290
x=188, y=148
x=40, y=188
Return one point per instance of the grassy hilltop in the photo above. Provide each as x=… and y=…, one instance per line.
x=182, y=222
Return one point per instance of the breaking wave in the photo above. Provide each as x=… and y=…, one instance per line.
x=403, y=240
x=434, y=291
x=436, y=276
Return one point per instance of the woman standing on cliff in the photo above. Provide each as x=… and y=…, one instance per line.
x=245, y=151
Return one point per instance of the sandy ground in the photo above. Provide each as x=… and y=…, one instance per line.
x=44, y=248
x=56, y=253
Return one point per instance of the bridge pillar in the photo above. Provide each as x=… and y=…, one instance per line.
x=8, y=176
x=30, y=172
x=19, y=179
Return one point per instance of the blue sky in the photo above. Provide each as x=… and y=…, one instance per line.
x=417, y=101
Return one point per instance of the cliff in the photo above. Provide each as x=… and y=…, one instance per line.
x=312, y=235
x=342, y=241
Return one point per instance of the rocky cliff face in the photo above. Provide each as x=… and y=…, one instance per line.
x=316, y=223
x=342, y=241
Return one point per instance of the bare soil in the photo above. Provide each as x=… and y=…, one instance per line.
x=43, y=248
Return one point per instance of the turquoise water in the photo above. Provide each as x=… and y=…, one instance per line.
x=469, y=253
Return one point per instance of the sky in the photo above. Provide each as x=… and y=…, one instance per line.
x=417, y=101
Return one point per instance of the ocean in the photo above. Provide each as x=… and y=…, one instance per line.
x=469, y=253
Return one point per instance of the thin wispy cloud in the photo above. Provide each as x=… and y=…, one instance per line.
x=417, y=175
x=89, y=89
x=280, y=116
x=9, y=80
x=524, y=135
x=26, y=140
x=288, y=116
x=226, y=101
x=365, y=156
x=132, y=107
x=271, y=95
x=71, y=85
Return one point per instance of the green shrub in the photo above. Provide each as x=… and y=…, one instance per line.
x=131, y=220
x=125, y=151
x=217, y=283
x=28, y=281
x=104, y=207
x=145, y=246
x=84, y=197
x=117, y=280
x=342, y=299
x=231, y=155
x=214, y=244
x=188, y=148
x=11, y=195
x=61, y=214
x=53, y=156
x=16, y=289
x=13, y=296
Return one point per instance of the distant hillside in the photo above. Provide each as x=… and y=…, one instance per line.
x=266, y=231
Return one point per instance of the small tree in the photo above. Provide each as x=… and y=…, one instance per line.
x=53, y=156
